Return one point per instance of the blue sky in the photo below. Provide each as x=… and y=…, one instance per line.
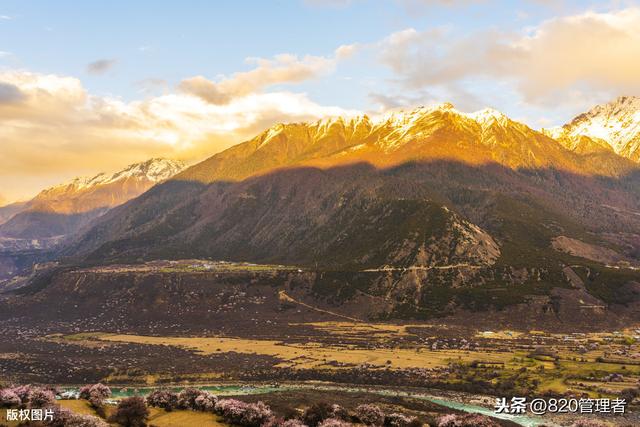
x=531, y=59
x=169, y=41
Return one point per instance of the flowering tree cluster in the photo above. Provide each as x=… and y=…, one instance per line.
x=244, y=414
x=197, y=400
x=205, y=402
x=189, y=398
x=9, y=398
x=95, y=394
x=163, y=398
x=370, y=414
x=26, y=396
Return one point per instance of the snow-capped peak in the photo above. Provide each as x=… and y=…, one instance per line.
x=154, y=170
x=621, y=106
x=555, y=132
x=487, y=115
x=392, y=129
x=616, y=122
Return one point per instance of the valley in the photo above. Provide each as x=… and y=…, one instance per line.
x=205, y=322
x=454, y=365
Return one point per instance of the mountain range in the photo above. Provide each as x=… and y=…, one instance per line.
x=439, y=132
x=430, y=210
x=194, y=203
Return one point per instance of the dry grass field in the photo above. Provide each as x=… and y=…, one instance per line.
x=158, y=417
x=314, y=355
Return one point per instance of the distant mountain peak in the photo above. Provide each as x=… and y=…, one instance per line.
x=154, y=170
x=616, y=122
x=64, y=208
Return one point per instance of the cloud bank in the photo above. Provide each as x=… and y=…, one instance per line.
x=586, y=52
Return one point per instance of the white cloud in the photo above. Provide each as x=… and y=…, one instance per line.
x=590, y=52
x=284, y=68
x=346, y=51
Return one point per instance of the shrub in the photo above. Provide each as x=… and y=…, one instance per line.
x=131, y=412
x=99, y=391
x=339, y=412
x=40, y=397
x=187, y=398
x=466, y=420
x=162, y=398
x=245, y=414
x=370, y=414
x=205, y=402
x=9, y=399
x=400, y=420
x=84, y=392
x=255, y=414
x=60, y=417
x=334, y=422
x=317, y=413
x=95, y=394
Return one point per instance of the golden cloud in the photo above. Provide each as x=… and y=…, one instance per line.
x=52, y=129
x=283, y=68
